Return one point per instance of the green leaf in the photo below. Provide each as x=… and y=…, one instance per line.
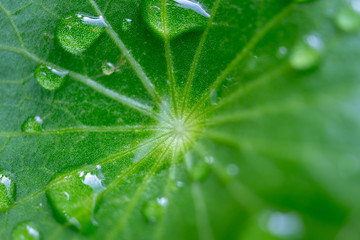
x=147, y=119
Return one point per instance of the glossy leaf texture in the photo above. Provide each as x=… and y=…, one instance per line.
x=179, y=119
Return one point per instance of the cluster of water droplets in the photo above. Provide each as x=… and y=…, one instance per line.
x=308, y=52
x=74, y=197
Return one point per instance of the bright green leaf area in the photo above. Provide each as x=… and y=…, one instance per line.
x=215, y=119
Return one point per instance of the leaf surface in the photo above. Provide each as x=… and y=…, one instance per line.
x=193, y=121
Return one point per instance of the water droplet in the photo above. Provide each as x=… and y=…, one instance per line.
x=182, y=16
x=48, y=77
x=153, y=210
x=232, y=170
x=213, y=96
x=192, y=5
x=175, y=185
x=32, y=124
x=108, y=68
x=73, y=199
x=282, y=224
x=209, y=160
x=282, y=51
x=126, y=24
x=307, y=53
x=78, y=32
x=26, y=231
x=7, y=191
x=179, y=183
x=348, y=18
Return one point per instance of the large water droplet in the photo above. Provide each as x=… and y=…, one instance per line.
x=182, y=16
x=32, y=124
x=153, y=210
x=26, y=231
x=73, y=199
x=307, y=53
x=49, y=77
x=7, y=191
x=348, y=18
x=78, y=32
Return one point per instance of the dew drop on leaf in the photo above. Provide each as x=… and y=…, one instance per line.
x=348, y=17
x=126, y=24
x=232, y=170
x=307, y=53
x=73, y=199
x=108, y=68
x=25, y=231
x=282, y=224
x=179, y=183
x=78, y=32
x=7, y=191
x=282, y=51
x=32, y=124
x=153, y=210
x=48, y=77
x=181, y=16
x=213, y=97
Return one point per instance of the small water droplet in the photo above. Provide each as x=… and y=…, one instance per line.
x=182, y=16
x=7, y=191
x=209, y=160
x=213, y=96
x=307, y=53
x=179, y=183
x=282, y=224
x=126, y=24
x=48, y=77
x=282, y=51
x=108, y=68
x=73, y=199
x=153, y=210
x=25, y=231
x=232, y=169
x=78, y=32
x=32, y=124
x=348, y=18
